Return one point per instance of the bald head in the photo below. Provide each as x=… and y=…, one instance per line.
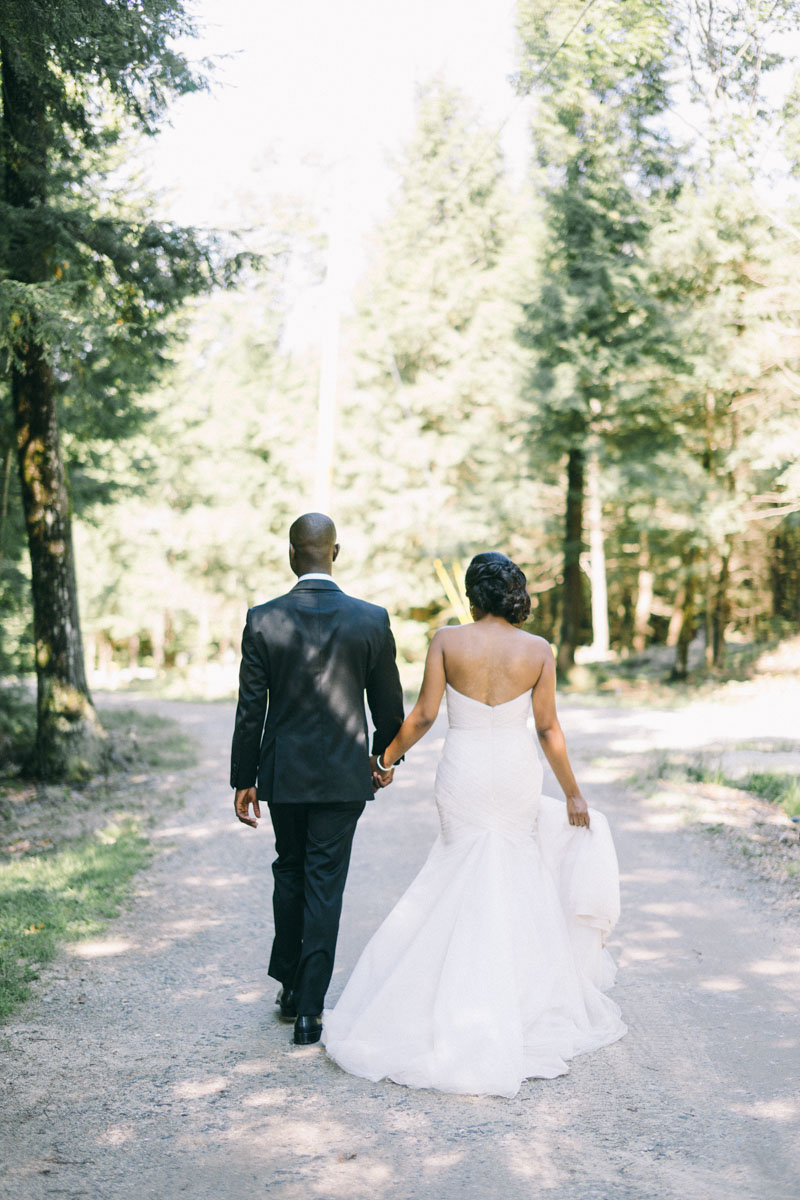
x=312, y=544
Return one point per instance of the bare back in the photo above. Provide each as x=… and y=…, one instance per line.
x=491, y=661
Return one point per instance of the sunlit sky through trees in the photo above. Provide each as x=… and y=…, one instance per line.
x=302, y=89
x=313, y=96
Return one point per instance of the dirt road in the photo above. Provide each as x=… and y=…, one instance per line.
x=151, y=1063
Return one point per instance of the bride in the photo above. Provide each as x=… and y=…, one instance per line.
x=491, y=967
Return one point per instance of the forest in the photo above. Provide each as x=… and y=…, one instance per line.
x=595, y=369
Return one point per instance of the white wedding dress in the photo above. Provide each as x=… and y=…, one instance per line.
x=491, y=967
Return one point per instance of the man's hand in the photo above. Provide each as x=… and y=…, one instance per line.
x=241, y=804
x=380, y=779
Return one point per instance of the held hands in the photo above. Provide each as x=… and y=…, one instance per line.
x=241, y=805
x=246, y=796
x=380, y=779
x=577, y=810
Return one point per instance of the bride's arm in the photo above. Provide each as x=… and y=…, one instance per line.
x=425, y=711
x=551, y=739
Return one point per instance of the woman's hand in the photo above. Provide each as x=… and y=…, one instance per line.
x=578, y=810
x=380, y=779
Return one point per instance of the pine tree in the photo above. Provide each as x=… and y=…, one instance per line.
x=87, y=286
x=432, y=450
x=726, y=257
x=603, y=162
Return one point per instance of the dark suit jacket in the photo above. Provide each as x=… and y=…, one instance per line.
x=312, y=654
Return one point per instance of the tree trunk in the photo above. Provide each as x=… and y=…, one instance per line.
x=688, y=620
x=785, y=573
x=572, y=610
x=203, y=630
x=676, y=619
x=105, y=659
x=8, y=459
x=708, y=604
x=133, y=652
x=721, y=612
x=157, y=640
x=644, y=597
x=69, y=740
x=597, y=564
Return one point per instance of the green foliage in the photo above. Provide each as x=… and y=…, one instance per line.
x=147, y=741
x=634, y=304
x=90, y=284
x=229, y=458
x=594, y=322
x=135, y=741
x=437, y=367
x=55, y=885
x=778, y=789
x=86, y=271
x=60, y=895
x=595, y=326
x=17, y=726
x=16, y=650
x=212, y=485
x=666, y=331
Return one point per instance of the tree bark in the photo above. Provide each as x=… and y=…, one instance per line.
x=644, y=597
x=676, y=619
x=722, y=605
x=157, y=641
x=708, y=604
x=572, y=609
x=597, y=564
x=721, y=612
x=69, y=740
x=688, y=619
x=8, y=460
x=785, y=573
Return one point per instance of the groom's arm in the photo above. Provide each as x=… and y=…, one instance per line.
x=385, y=694
x=250, y=711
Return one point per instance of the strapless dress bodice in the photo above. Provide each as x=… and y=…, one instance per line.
x=465, y=713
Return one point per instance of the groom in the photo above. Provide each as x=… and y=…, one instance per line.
x=307, y=659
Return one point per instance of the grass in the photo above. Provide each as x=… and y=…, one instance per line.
x=701, y=771
x=695, y=770
x=776, y=788
x=646, y=677
x=773, y=786
x=17, y=724
x=69, y=853
x=62, y=895
x=136, y=740
x=146, y=741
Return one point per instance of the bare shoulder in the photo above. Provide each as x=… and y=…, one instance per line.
x=446, y=634
x=535, y=645
x=440, y=640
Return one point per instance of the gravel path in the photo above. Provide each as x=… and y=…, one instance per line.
x=151, y=1062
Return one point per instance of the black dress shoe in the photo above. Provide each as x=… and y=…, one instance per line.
x=286, y=1004
x=307, y=1030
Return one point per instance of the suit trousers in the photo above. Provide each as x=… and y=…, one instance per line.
x=312, y=843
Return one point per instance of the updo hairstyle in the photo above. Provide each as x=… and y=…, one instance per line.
x=496, y=585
